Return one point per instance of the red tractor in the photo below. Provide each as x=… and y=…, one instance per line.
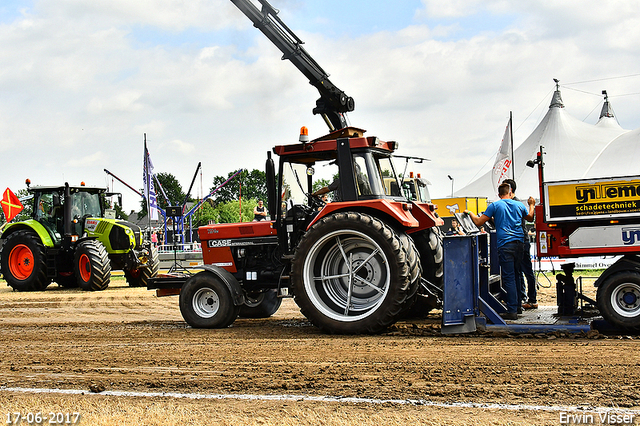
x=353, y=266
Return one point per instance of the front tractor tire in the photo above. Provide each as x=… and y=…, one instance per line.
x=92, y=266
x=139, y=277
x=206, y=302
x=351, y=274
x=24, y=262
x=618, y=299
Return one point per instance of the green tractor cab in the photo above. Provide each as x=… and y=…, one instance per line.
x=74, y=240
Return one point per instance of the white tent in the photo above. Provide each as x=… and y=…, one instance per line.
x=570, y=146
x=607, y=119
x=616, y=159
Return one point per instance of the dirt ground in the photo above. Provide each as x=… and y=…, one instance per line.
x=127, y=340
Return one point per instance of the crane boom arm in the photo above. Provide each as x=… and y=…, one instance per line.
x=333, y=102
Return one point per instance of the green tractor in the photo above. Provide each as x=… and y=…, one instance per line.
x=73, y=240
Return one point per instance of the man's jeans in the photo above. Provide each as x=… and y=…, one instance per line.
x=528, y=286
x=510, y=257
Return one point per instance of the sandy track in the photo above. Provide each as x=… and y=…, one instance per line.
x=126, y=339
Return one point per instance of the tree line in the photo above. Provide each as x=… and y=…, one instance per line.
x=222, y=207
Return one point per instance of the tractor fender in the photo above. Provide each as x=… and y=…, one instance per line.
x=33, y=225
x=230, y=281
x=629, y=262
x=416, y=218
x=393, y=210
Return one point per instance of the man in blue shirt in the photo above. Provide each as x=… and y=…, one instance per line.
x=507, y=216
x=528, y=290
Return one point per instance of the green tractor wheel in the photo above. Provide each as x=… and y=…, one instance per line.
x=92, y=266
x=24, y=262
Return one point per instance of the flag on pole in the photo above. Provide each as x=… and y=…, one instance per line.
x=503, y=166
x=11, y=205
x=149, y=188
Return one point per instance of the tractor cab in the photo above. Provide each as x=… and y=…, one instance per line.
x=354, y=168
x=49, y=210
x=86, y=204
x=50, y=204
x=413, y=188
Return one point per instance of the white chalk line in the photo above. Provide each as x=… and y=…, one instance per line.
x=352, y=400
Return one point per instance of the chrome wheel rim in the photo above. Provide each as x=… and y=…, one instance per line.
x=346, y=275
x=625, y=300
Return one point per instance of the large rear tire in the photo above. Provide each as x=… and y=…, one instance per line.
x=351, y=274
x=415, y=267
x=206, y=302
x=618, y=299
x=24, y=264
x=92, y=266
x=139, y=277
x=261, y=305
x=430, y=291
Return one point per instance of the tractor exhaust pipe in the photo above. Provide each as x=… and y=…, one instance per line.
x=272, y=198
x=68, y=220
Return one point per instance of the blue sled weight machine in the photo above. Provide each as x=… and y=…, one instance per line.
x=473, y=292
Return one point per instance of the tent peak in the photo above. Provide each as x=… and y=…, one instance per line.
x=607, y=111
x=556, y=101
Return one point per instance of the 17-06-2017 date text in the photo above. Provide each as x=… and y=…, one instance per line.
x=38, y=418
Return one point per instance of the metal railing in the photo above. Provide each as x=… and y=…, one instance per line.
x=194, y=247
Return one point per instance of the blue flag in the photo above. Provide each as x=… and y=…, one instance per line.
x=149, y=188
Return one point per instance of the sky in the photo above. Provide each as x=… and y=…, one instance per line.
x=81, y=82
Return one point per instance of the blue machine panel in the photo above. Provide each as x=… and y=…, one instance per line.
x=461, y=277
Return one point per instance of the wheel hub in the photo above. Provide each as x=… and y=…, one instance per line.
x=206, y=302
x=364, y=270
x=21, y=262
x=626, y=300
x=85, y=267
x=630, y=298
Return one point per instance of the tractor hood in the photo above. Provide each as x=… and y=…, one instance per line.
x=116, y=235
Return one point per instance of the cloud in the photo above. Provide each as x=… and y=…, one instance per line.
x=178, y=147
x=449, y=100
x=88, y=160
x=171, y=15
x=125, y=102
x=81, y=86
x=448, y=9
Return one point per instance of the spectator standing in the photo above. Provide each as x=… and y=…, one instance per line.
x=507, y=215
x=528, y=289
x=259, y=212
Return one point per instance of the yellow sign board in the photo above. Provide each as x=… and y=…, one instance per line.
x=448, y=206
x=592, y=199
